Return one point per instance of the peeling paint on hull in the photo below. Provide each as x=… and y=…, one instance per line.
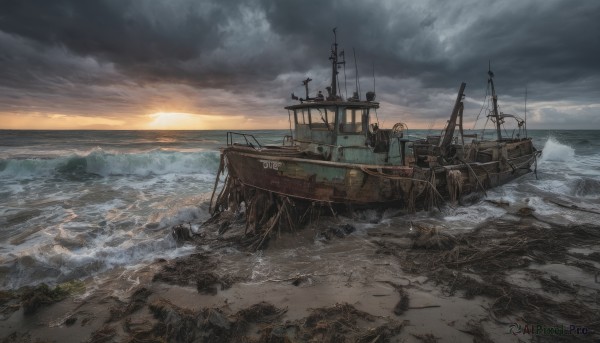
x=334, y=182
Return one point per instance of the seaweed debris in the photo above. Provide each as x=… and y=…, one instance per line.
x=426, y=338
x=339, y=231
x=339, y=323
x=33, y=298
x=136, y=302
x=17, y=337
x=196, y=269
x=476, y=330
x=9, y=303
x=207, y=324
x=103, y=335
x=260, y=323
x=479, y=262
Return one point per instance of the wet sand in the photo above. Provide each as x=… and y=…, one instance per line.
x=342, y=279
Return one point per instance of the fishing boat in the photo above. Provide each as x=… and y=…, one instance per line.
x=337, y=154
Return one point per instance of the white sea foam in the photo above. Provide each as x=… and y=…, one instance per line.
x=469, y=217
x=100, y=162
x=557, y=187
x=554, y=151
x=13, y=188
x=101, y=253
x=184, y=215
x=155, y=162
x=89, y=227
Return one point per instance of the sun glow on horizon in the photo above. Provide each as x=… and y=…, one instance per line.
x=176, y=121
x=154, y=121
x=190, y=121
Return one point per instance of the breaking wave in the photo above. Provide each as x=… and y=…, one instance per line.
x=102, y=163
x=557, y=152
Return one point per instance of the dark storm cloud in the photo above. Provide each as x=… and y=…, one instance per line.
x=122, y=31
x=131, y=34
x=444, y=42
x=120, y=53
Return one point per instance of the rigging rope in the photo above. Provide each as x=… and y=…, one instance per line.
x=482, y=105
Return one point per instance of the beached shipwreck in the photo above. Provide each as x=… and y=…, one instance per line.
x=338, y=156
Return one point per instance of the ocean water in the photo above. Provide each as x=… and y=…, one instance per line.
x=75, y=204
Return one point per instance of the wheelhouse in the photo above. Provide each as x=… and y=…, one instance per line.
x=327, y=121
x=342, y=131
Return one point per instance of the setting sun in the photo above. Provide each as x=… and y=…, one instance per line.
x=190, y=121
x=176, y=121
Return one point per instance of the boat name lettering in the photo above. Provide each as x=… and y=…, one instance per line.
x=271, y=164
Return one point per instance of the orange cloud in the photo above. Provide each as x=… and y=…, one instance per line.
x=57, y=121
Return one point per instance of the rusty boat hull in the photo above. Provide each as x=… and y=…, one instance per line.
x=288, y=172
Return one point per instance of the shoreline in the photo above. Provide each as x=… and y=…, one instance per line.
x=400, y=282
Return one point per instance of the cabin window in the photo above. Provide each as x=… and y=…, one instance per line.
x=322, y=118
x=352, y=120
x=302, y=115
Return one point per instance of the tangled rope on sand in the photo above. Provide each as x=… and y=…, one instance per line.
x=455, y=184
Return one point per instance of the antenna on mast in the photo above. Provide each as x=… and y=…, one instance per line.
x=373, y=77
x=305, y=83
x=525, y=111
x=333, y=89
x=343, y=55
x=357, y=78
x=371, y=94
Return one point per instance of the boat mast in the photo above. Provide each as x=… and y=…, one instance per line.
x=457, y=112
x=334, y=66
x=496, y=116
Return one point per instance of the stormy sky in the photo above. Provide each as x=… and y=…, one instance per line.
x=119, y=64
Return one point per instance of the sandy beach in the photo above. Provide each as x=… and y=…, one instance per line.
x=519, y=277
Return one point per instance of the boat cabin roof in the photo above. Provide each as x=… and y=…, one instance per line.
x=312, y=104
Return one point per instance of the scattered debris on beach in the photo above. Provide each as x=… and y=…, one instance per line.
x=262, y=322
x=196, y=269
x=33, y=298
x=480, y=262
x=512, y=266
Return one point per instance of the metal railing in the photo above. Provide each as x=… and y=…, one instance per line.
x=288, y=140
x=248, y=138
